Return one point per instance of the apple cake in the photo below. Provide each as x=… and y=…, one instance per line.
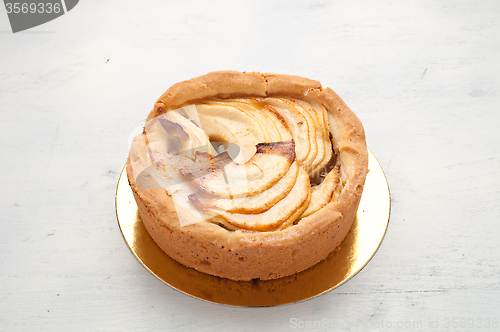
x=246, y=175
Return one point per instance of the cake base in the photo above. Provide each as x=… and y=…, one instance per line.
x=350, y=257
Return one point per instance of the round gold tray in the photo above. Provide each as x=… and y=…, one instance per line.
x=355, y=251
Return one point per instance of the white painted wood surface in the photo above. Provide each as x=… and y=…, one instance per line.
x=423, y=76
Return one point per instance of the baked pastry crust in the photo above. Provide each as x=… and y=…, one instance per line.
x=243, y=254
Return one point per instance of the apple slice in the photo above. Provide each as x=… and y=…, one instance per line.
x=269, y=164
x=171, y=133
x=271, y=120
x=253, y=204
x=227, y=123
x=280, y=215
x=296, y=123
x=324, y=193
x=321, y=137
x=325, y=152
x=297, y=112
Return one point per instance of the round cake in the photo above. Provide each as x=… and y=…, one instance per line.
x=248, y=175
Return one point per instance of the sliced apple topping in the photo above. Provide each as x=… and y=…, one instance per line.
x=319, y=114
x=227, y=123
x=269, y=164
x=243, y=163
x=324, y=193
x=150, y=172
x=271, y=120
x=281, y=215
x=296, y=122
x=171, y=133
x=301, y=125
x=252, y=204
x=308, y=122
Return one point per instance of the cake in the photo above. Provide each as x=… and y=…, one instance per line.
x=246, y=175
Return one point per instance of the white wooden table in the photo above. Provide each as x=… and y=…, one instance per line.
x=423, y=76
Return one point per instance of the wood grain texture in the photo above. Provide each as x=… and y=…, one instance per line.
x=423, y=77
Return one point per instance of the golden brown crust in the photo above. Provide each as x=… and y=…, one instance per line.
x=289, y=85
x=244, y=255
x=215, y=84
